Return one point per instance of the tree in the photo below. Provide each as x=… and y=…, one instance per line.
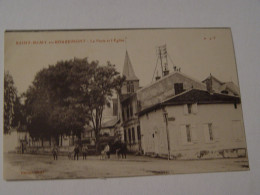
x=67, y=95
x=54, y=104
x=10, y=101
x=104, y=82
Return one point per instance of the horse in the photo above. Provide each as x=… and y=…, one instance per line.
x=121, y=150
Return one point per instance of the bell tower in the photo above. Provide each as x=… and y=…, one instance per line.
x=131, y=83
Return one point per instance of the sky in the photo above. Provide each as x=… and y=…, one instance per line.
x=198, y=52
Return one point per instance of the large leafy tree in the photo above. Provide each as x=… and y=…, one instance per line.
x=105, y=81
x=66, y=96
x=11, y=102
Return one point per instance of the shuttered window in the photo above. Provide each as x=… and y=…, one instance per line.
x=133, y=134
x=208, y=132
x=186, y=134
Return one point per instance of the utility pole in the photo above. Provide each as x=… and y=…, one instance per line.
x=160, y=56
x=165, y=114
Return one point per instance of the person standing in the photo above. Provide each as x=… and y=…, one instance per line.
x=84, y=152
x=55, y=153
x=107, y=149
x=76, y=152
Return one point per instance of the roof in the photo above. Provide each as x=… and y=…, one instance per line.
x=110, y=123
x=224, y=85
x=128, y=70
x=230, y=86
x=194, y=96
x=169, y=75
x=212, y=77
x=106, y=124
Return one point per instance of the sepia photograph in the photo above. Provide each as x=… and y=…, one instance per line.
x=121, y=103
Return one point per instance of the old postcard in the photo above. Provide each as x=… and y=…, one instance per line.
x=119, y=103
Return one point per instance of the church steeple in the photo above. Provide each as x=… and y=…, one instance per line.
x=128, y=70
x=132, y=82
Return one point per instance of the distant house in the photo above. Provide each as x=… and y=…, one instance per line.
x=108, y=128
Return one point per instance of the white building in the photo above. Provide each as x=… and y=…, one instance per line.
x=199, y=124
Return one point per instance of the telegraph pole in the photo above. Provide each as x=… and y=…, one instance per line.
x=165, y=114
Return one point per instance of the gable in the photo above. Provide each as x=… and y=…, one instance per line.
x=164, y=88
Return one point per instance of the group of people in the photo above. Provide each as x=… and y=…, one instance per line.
x=84, y=151
x=76, y=152
x=105, y=153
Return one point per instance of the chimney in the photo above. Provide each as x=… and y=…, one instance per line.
x=209, y=84
x=165, y=72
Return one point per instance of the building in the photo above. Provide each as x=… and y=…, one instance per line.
x=129, y=108
x=193, y=124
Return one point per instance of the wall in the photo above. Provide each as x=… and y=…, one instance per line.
x=163, y=88
x=220, y=115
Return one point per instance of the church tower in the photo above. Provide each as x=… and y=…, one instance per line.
x=131, y=83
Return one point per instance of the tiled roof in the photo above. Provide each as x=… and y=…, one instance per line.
x=201, y=97
x=194, y=96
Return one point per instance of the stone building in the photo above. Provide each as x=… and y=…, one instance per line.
x=186, y=121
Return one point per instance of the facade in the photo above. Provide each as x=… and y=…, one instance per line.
x=199, y=124
x=129, y=107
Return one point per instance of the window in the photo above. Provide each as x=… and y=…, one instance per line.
x=132, y=87
x=129, y=136
x=138, y=132
x=128, y=87
x=125, y=137
x=133, y=134
x=178, y=88
x=127, y=112
x=123, y=115
x=208, y=132
x=131, y=110
x=189, y=108
x=188, y=133
x=235, y=105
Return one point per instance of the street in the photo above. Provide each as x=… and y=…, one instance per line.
x=26, y=166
